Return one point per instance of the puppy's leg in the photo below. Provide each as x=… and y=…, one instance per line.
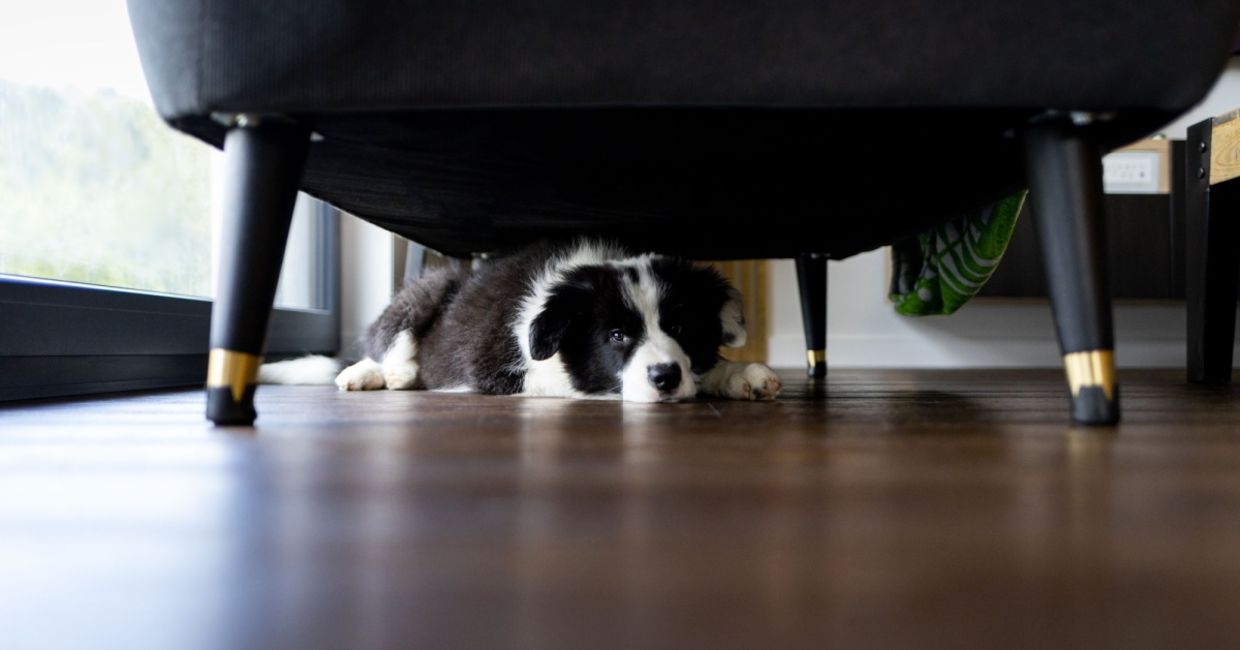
x=363, y=375
x=391, y=339
x=400, y=370
x=752, y=381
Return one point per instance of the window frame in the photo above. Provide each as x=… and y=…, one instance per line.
x=60, y=339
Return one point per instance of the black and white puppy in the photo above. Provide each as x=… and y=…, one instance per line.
x=587, y=319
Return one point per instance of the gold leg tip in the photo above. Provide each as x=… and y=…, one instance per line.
x=232, y=369
x=1091, y=368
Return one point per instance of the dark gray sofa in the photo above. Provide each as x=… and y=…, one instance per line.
x=706, y=129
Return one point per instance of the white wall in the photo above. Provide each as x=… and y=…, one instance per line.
x=864, y=331
x=365, y=279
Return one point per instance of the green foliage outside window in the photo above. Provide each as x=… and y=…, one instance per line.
x=95, y=188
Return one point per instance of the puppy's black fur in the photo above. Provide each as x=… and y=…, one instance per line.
x=588, y=322
x=465, y=324
x=692, y=298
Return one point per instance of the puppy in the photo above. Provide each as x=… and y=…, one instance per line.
x=582, y=320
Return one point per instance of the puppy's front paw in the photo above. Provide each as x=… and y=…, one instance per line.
x=754, y=382
x=402, y=376
x=363, y=375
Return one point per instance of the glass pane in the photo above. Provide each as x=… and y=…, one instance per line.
x=95, y=188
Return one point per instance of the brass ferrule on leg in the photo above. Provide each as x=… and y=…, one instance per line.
x=231, y=369
x=816, y=357
x=1091, y=368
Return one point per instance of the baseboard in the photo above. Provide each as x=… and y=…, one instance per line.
x=957, y=352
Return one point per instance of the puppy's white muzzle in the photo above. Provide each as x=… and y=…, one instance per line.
x=658, y=371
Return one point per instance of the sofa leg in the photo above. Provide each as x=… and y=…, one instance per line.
x=812, y=280
x=1212, y=261
x=263, y=165
x=1064, y=169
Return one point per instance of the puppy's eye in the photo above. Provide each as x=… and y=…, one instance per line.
x=616, y=336
x=674, y=329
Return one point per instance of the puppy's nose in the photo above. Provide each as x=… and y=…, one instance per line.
x=664, y=376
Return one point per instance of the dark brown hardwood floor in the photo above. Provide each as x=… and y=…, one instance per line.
x=883, y=509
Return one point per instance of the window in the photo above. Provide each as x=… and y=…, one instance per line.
x=108, y=220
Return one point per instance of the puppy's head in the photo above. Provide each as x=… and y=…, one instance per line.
x=643, y=327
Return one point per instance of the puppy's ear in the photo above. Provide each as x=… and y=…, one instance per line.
x=567, y=302
x=546, y=332
x=732, y=319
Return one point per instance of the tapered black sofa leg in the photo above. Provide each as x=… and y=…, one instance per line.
x=1064, y=169
x=263, y=158
x=1212, y=261
x=812, y=280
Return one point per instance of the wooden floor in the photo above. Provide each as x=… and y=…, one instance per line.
x=885, y=509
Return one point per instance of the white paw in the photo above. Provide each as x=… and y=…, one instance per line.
x=363, y=375
x=754, y=382
x=400, y=376
x=400, y=371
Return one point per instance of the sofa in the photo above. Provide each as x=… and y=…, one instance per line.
x=794, y=128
